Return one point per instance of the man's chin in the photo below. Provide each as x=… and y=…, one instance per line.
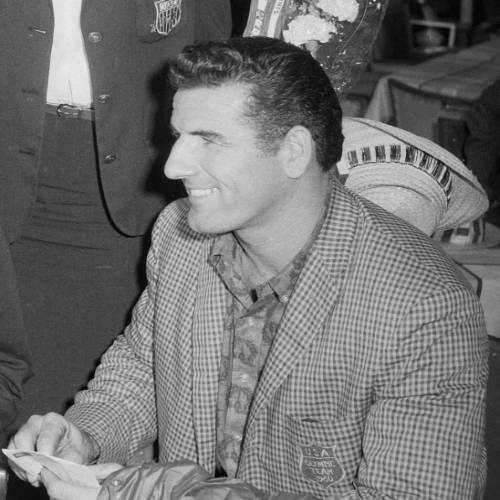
x=198, y=225
x=208, y=225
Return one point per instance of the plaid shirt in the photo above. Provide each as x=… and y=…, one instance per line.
x=374, y=386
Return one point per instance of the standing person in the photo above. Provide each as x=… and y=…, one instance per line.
x=293, y=336
x=79, y=183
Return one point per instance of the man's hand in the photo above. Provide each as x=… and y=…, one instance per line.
x=54, y=435
x=59, y=490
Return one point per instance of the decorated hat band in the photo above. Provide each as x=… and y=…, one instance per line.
x=390, y=166
x=407, y=155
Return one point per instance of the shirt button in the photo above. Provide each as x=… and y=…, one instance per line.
x=103, y=98
x=116, y=482
x=95, y=37
x=109, y=158
x=284, y=299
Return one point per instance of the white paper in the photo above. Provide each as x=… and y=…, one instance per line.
x=32, y=462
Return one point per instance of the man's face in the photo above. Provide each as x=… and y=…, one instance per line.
x=232, y=185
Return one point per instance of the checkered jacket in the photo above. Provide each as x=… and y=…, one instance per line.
x=374, y=386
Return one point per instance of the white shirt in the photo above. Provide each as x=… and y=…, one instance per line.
x=69, y=75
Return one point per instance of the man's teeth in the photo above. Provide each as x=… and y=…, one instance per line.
x=201, y=192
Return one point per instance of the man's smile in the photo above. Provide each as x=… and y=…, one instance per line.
x=200, y=193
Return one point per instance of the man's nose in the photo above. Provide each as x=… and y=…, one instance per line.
x=180, y=162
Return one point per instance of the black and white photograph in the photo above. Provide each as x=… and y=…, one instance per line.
x=249, y=249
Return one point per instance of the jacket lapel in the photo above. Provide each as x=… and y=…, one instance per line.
x=314, y=297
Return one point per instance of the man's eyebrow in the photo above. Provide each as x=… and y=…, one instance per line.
x=207, y=134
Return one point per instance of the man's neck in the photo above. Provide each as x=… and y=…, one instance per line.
x=266, y=252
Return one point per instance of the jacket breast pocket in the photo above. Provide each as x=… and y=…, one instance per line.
x=326, y=453
x=156, y=19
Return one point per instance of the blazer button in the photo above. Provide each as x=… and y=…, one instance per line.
x=34, y=29
x=103, y=98
x=109, y=158
x=95, y=37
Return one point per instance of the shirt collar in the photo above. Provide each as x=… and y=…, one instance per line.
x=223, y=257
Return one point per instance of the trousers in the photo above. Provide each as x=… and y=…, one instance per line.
x=78, y=276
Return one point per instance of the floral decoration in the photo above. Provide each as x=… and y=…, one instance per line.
x=338, y=33
x=317, y=20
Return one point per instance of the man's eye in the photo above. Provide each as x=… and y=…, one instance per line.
x=207, y=140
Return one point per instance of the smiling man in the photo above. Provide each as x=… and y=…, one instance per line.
x=239, y=184
x=294, y=339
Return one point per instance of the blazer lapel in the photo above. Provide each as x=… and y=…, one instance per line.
x=314, y=297
x=301, y=322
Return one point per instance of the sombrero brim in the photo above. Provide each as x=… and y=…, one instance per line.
x=406, y=191
x=467, y=199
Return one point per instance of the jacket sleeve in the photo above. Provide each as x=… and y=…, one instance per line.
x=181, y=480
x=118, y=409
x=213, y=20
x=14, y=357
x=423, y=436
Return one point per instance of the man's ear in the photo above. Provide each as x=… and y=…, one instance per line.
x=297, y=151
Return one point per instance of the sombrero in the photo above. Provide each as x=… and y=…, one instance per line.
x=409, y=175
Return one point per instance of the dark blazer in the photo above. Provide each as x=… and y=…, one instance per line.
x=126, y=56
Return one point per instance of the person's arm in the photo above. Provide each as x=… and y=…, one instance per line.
x=117, y=415
x=424, y=433
x=118, y=409
x=213, y=20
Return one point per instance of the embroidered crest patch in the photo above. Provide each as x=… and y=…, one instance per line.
x=319, y=464
x=168, y=15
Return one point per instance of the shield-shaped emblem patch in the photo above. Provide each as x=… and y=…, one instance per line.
x=168, y=15
x=320, y=464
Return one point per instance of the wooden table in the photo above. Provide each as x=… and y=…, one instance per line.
x=460, y=75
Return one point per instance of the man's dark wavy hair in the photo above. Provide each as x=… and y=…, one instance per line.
x=287, y=87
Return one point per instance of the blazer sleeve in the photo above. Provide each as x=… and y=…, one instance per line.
x=118, y=409
x=424, y=432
